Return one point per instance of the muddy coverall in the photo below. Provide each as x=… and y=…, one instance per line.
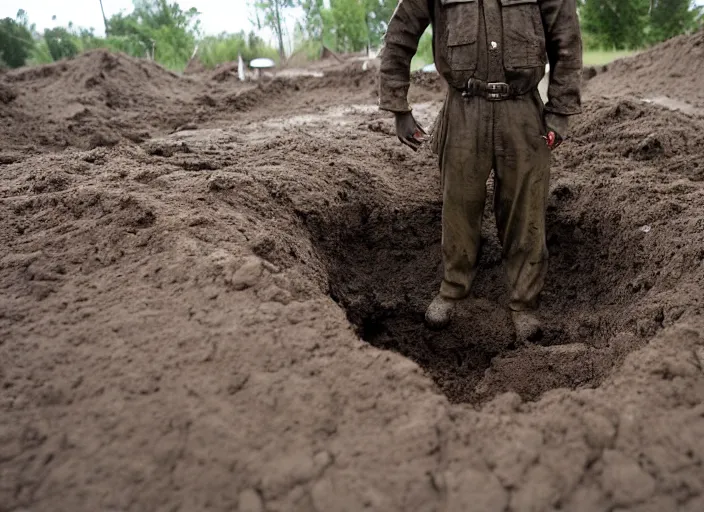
x=477, y=43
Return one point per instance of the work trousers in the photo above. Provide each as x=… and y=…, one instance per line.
x=472, y=137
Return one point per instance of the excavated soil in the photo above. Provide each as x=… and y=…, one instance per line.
x=212, y=298
x=670, y=71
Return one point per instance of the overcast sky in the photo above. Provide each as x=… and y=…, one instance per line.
x=216, y=15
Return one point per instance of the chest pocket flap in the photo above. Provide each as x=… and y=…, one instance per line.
x=524, y=35
x=461, y=21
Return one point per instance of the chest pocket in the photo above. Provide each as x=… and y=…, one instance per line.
x=459, y=25
x=524, y=35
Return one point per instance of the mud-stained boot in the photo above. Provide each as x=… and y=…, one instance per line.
x=439, y=312
x=527, y=325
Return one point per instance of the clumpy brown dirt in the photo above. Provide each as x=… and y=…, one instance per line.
x=211, y=298
x=7, y=94
x=101, y=99
x=674, y=69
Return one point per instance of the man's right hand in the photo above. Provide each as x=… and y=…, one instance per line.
x=557, y=129
x=409, y=131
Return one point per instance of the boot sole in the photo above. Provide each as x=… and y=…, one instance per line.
x=436, y=326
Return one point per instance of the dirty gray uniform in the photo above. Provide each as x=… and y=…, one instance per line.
x=497, y=41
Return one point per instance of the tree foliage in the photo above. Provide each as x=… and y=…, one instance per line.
x=273, y=15
x=16, y=42
x=424, y=54
x=616, y=24
x=669, y=18
x=158, y=29
x=214, y=50
x=61, y=43
x=630, y=24
x=347, y=25
x=312, y=27
x=379, y=13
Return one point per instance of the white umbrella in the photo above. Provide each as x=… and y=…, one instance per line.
x=261, y=63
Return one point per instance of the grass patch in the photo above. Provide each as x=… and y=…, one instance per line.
x=601, y=57
x=419, y=61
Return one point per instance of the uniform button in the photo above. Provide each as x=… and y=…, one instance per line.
x=494, y=45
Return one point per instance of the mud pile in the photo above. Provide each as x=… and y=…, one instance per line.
x=7, y=94
x=431, y=81
x=95, y=100
x=102, y=99
x=674, y=68
x=229, y=316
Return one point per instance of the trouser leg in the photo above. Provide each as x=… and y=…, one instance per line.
x=465, y=157
x=521, y=194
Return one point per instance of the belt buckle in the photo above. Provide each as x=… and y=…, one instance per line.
x=497, y=91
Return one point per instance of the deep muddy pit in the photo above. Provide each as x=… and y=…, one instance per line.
x=384, y=267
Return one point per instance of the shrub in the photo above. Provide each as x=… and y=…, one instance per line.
x=16, y=42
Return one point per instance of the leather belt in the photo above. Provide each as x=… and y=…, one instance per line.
x=492, y=91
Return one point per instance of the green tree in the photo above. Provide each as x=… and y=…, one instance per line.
x=61, y=43
x=618, y=24
x=156, y=28
x=378, y=14
x=669, y=18
x=424, y=54
x=345, y=25
x=273, y=13
x=312, y=25
x=16, y=42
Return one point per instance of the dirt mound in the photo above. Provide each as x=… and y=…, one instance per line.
x=194, y=67
x=230, y=316
x=7, y=94
x=350, y=76
x=430, y=81
x=224, y=72
x=640, y=130
x=97, y=99
x=104, y=99
x=103, y=78
x=674, y=69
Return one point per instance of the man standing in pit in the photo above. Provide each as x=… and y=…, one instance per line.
x=492, y=53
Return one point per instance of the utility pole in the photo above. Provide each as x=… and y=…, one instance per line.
x=279, y=29
x=105, y=20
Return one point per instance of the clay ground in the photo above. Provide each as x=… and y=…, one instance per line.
x=211, y=298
